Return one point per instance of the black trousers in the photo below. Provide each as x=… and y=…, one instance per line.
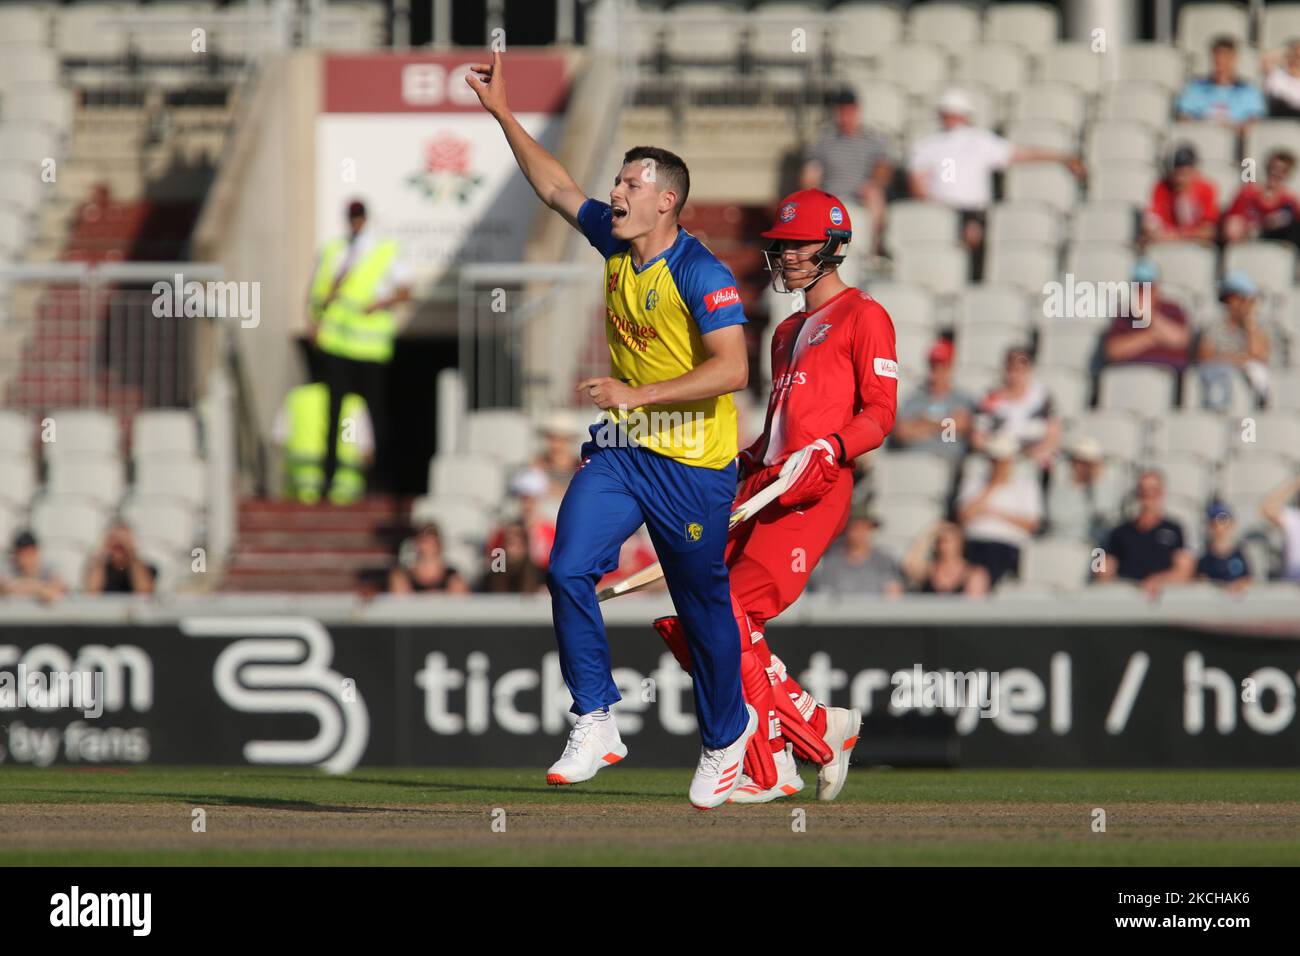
x=370, y=381
x=996, y=557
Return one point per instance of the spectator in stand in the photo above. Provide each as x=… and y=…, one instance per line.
x=426, y=570
x=1021, y=408
x=1270, y=211
x=955, y=166
x=855, y=164
x=1074, y=508
x=1148, y=549
x=1000, y=512
x=854, y=565
x=1234, y=344
x=1280, y=509
x=531, y=488
x=31, y=577
x=936, y=564
x=1223, y=561
x=1222, y=96
x=1282, y=80
x=1184, y=204
x=117, y=568
x=512, y=570
x=559, y=460
x=1151, y=330
x=937, y=418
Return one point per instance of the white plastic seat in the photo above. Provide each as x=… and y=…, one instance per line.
x=164, y=432
x=74, y=521
x=1074, y=63
x=914, y=220
x=16, y=434
x=985, y=343
x=1199, y=23
x=179, y=478
x=1128, y=182
x=1103, y=221
x=941, y=267
x=885, y=106
x=67, y=560
x=1230, y=395
x=95, y=477
x=919, y=68
x=1213, y=142
x=1001, y=304
x=907, y=305
x=1270, y=264
x=1187, y=477
x=1057, y=562
x=904, y=519
x=1148, y=103
x=1052, y=100
x=863, y=30
x=1025, y=221
x=1048, y=183
x=1285, y=389
x=1024, y=265
x=79, y=431
x=1100, y=262
x=1033, y=26
x=504, y=434
x=1066, y=342
x=164, y=523
x=1121, y=140
x=953, y=26
x=1250, y=478
x=1002, y=67
x=474, y=476
x=1265, y=135
x=1146, y=389
x=1190, y=432
x=911, y=475
x=27, y=25
x=34, y=65
x=1275, y=433
x=1188, y=263
x=698, y=31
x=1069, y=387
x=17, y=482
x=1156, y=63
x=1122, y=435
x=1280, y=24
x=1043, y=134
x=459, y=518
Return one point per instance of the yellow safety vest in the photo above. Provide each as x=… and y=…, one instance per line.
x=307, y=408
x=346, y=328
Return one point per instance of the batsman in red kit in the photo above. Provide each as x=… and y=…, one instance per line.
x=834, y=392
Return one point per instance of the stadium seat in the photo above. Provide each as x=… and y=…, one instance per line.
x=911, y=475
x=1199, y=23
x=1266, y=135
x=1146, y=389
x=1074, y=63
x=1033, y=26
x=1187, y=477
x=1270, y=264
x=1245, y=480
x=1056, y=101
x=912, y=345
x=862, y=30
x=884, y=106
x=1027, y=266
x=1102, y=221
x=505, y=434
x=1280, y=25
x=1099, y=262
x=476, y=476
x=1238, y=401
x=907, y=305
x=953, y=26
x=1067, y=342
x=1043, y=134
x=697, y=31
x=976, y=380
x=1057, y=562
x=1117, y=140
x=916, y=220
x=941, y=267
x=1275, y=433
x=16, y=434
x=1000, y=304
x=25, y=26
x=71, y=521
x=1025, y=221
x=985, y=343
x=1226, y=178
x=164, y=432
x=177, y=478
x=1136, y=100
x=29, y=66
x=1122, y=435
x=905, y=519
x=81, y=431
x=458, y=517
x=165, y=524
x=1285, y=391
x=1156, y=63
x=17, y=483
x=1069, y=387
x=68, y=561
x=919, y=68
x=95, y=477
x=1127, y=182
x=772, y=28
x=1049, y=183
x=1189, y=263
x=1190, y=432
x=1002, y=67
x=1213, y=142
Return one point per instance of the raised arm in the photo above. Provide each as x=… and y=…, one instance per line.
x=551, y=181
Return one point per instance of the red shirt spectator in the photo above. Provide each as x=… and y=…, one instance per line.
x=1267, y=211
x=1184, y=204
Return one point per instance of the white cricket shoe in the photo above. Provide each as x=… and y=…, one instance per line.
x=718, y=773
x=841, y=736
x=788, y=781
x=593, y=743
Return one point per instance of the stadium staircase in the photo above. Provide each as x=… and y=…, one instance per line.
x=287, y=546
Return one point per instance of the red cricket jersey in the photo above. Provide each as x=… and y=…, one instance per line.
x=834, y=371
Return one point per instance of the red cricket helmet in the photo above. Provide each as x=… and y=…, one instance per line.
x=809, y=215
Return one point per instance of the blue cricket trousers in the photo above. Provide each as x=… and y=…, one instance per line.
x=685, y=508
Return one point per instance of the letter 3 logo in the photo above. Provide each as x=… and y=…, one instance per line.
x=282, y=665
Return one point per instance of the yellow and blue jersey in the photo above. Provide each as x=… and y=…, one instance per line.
x=655, y=318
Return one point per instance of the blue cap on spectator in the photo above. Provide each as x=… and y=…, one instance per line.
x=1237, y=282
x=1144, y=270
x=1218, y=511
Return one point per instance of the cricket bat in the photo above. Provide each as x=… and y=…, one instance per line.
x=751, y=506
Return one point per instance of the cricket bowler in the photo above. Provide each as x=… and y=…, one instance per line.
x=664, y=456
x=834, y=392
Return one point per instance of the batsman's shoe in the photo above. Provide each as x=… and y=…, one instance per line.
x=841, y=736
x=719, y=770
x=788, y=782
x=593, y=743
